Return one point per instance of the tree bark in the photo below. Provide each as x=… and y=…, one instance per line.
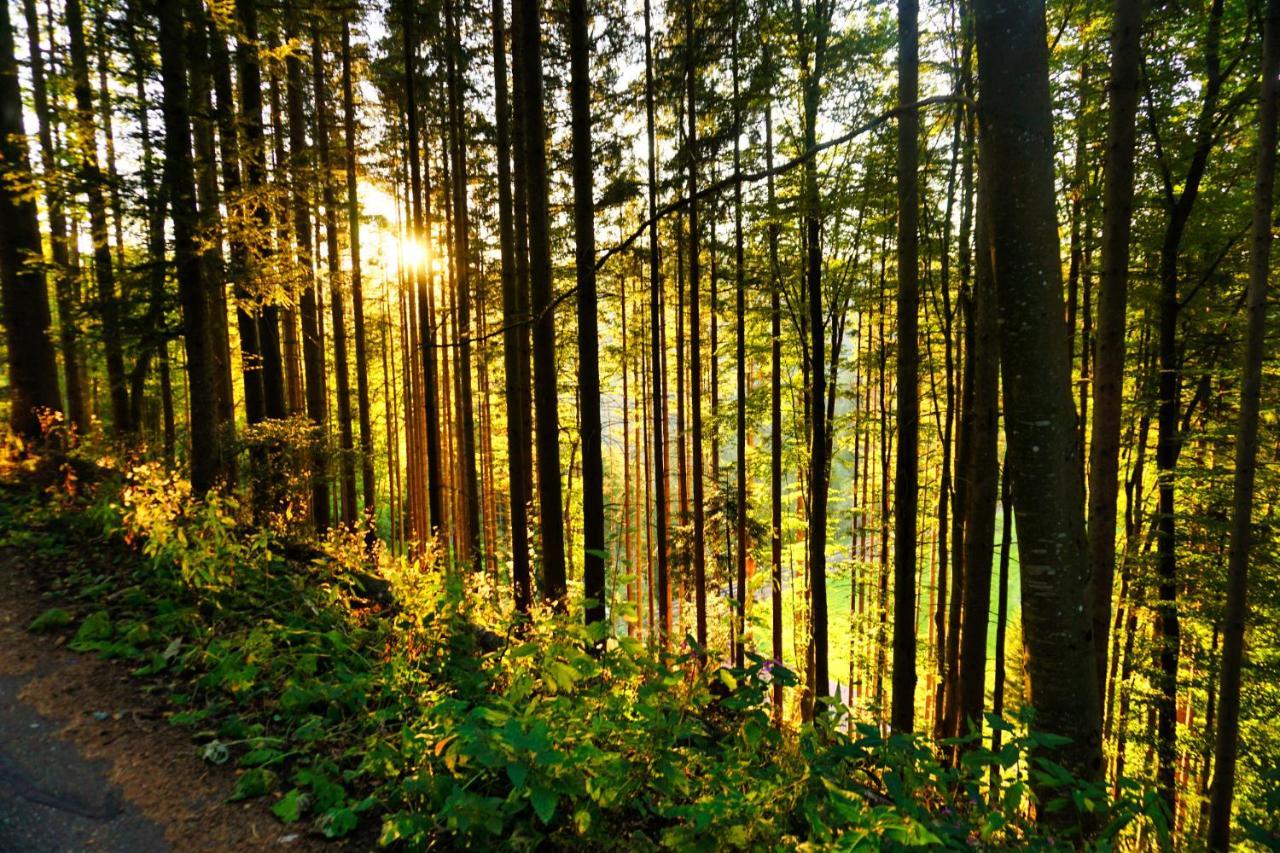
x=544, y=331
x=33, y=369
x=1237, y=611
x=1017, y=155
x=593, y=582
x=91, y=178
x=907, y=464
x=174, y=59
x=1113, y=287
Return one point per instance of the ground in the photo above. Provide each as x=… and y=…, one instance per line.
x=87, y=759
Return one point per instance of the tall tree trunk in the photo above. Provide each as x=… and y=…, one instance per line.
x=593, y=584
x=775, y=408
x=983, y=482
x=33, y=368
x=811, y=81
x=657, y=350
x=1017, y=157
x=312, y=348
x=209, y=232
x=420, y=280
x=67, y=327
x=1113, y=287
x=367, y=480
x=907, y=464
x=741, y=356
x=174, y=60
x=85, y=142
x=695, y=334
x=512, y=319
x=544, y=331
x=337, y=304
x=1237, y=612
x=267, y=399
x=470, y=497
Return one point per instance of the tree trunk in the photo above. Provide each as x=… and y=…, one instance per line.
x=312, y=349
x=544, y=330
x=1113, y=286
x=174, y=61
x=462, y=266
x=33, y=368
x=593, y=584
x=1017, y=155
x=67, y=328
x=512, y=319
x=337, y=309
x=983, y=482
x=85, y=142
x=367, y=480
x=657, y=351
x=1237, y=612
x=907, y=464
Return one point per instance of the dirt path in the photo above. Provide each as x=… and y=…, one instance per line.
x=87, y=760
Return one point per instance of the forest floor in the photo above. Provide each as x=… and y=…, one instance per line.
x=87, y=759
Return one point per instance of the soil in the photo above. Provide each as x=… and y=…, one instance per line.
x=88, y=760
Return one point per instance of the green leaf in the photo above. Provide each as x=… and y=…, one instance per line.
x=95, y=628
x=544, y=803
x=291, y=806
x=253, y=783
x=336, y=823
x=517, y=773
x=53, y=619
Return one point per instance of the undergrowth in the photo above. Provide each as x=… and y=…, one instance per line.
x=384, y=699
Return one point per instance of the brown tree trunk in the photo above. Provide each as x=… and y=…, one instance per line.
x=33, y=369
x=1017, y=157
x=312, y=348
x=85, y=142
x=518, y=488
x=907, y=464
x=544, y=332
x=1113, y=286
x=337, y=309
x=174, y=60
x=1237, y=612
x=593, y=581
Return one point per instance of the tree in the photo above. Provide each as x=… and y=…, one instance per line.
x=906, y=468
x=1016, y=154
x=33, y=371
x=588, y=333
x=513, y=320
x=192, y=291
x=544, y=331
x=1113, y=285
x=90, y=174
x=1237, y=611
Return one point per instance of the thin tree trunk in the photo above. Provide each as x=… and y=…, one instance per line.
x=593, y=582
x=337, y=309
x=367, y=480
x=312, y=347
x=1237, y=612
x=1113, y=286
x=513, y=321
x=85, y=142
x=544, y=332
x=907, y=464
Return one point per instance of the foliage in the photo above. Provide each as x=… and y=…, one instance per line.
x=429, y=712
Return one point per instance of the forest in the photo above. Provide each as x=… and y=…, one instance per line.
x=637, y=424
